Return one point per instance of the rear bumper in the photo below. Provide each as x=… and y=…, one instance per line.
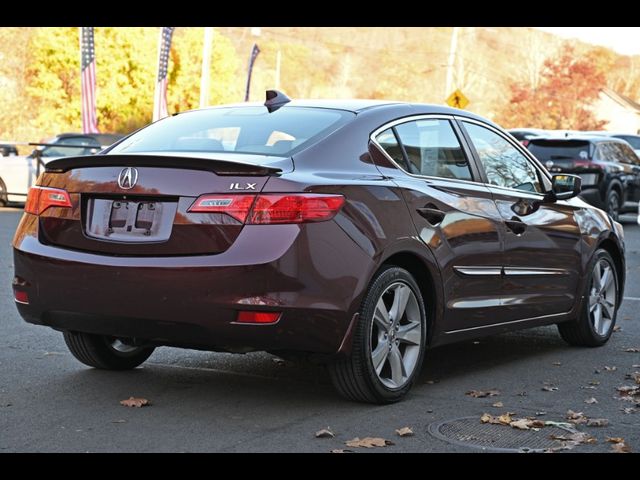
x=314, y=274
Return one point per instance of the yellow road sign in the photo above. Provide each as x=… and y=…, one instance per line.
x=457, y=100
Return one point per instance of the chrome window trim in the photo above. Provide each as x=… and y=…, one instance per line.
x=532, y=160
x=399, y=121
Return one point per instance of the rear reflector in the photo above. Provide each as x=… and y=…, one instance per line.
x=20, y=296
x=271, y=208
x=41, y=198
x=236, y=206
x=258, y=317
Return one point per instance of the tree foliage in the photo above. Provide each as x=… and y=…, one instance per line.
x=568, y=86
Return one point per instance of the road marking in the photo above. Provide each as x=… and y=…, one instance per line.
x=633, y=299
x=215, y=370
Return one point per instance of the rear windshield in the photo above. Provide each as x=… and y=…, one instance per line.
x=560, y=149
x=633, y=140
x=237, y=129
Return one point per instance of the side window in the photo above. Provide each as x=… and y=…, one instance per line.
x=433, y=149
x=504, y=165
x=388, y=141
x=628, y=155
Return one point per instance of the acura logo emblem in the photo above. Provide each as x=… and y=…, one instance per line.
x=128, y=178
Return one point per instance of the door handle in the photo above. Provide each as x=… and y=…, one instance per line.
x=433, y=215
x=516, y=225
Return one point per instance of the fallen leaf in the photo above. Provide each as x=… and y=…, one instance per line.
x=632, y=350
x=635, y=366
x=576, y=418
x=482, y=393
x=498, y=405
x=594, y=382
x=597, y=422
x=521, y=424
x=620, y=448
x=551, y=423
x=540, y=413
x=589, y=387
x=556, y=364
x=404, y=432
x=590, y=401
x=629, y=410
x=476, y=342
x=135, y=402
x=368, y=442
x=325, y=433
x=610, y=369
x=431, y=382
x=617, y=328
x=549, y=388
x=341, y=450
x=575, y=438
x=635, y=376
x=119, y=421
x=488, y=418
x=522, y=394
x=626, y=317
x=505, y=418
x=615, y=439
x=278, y=361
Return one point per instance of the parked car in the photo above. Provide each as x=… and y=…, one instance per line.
x=356, y=233
x=8, y=149
x=524, y=134
x=633, y=140
x=608, y=167
x=18, y=173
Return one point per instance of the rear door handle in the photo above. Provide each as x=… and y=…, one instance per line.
x=516, y=225
x=433, y=215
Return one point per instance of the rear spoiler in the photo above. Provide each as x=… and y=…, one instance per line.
x=220, y=167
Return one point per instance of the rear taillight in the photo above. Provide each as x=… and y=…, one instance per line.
x=257, y=317
x=271, y=208
x=524, y=143
x=41, y=198
x=236, y=206
x=21, y=296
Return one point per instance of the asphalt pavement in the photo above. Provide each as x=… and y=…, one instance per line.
x=211, y=402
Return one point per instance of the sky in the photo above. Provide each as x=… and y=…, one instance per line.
x=624, y=40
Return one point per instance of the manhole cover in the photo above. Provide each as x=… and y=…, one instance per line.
x=470, y=432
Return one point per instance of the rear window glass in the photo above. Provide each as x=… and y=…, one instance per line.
x=560, y=149
x=237, y=129
x=631, y=139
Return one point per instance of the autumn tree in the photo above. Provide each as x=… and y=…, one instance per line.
x=568, y=86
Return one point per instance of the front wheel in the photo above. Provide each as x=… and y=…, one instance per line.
x=389, y=341
x=4, y=200
x=613, y=205
x=107, y=353
x=596, y=320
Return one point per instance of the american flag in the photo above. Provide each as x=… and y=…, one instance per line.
x=88, y=80
x=160, y=97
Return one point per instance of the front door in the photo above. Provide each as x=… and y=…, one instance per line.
x=454, y=214
x=542, y=240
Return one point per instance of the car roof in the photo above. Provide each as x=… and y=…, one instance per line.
x=585, y=138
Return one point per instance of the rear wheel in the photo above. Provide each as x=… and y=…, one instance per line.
x=108, y=353
x=388, y=343
x=613, y=204
x=598, y=315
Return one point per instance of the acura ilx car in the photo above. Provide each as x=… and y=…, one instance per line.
x=354, y=233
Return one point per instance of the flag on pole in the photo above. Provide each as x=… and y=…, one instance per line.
x=160, y=97
x=254, y=53
x=88, y=80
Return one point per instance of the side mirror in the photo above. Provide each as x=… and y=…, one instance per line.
x=565, y=186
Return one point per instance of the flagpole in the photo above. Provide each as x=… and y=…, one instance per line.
x=206, y=67
x=255, y=50
x=157, y=93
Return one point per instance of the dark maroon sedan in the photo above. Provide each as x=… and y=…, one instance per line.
x=356, y=233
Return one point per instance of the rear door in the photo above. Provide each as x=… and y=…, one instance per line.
x=454, y=215
x=542, y=240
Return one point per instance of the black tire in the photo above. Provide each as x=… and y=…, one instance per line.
x=581, y=332
x=4, y=199
x=613, y=204
x=355, y=377
x=97, y=351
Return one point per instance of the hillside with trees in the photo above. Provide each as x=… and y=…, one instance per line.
x=517, y=76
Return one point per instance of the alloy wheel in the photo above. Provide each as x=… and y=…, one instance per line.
x=396, y=335
x=602, y=297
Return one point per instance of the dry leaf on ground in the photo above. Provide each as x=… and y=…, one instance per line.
x=556, y=364
x=615, y=439
x=135, y=402
x=368, y=442
x=325, y=433
x=341, y=450
x=576, y=417
x=482, y=393
x=521, y=424
x=575, y=438
x=404, y=432
x=620, y=448
x=590, y=401
x=549, y=388
x=594, y=382
x=597, y=422
x=629, y=410
x=632, y=350
x=498, y=405
x=610, y=369
x=617, y=328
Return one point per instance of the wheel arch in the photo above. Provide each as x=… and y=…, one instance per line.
x=611, y=246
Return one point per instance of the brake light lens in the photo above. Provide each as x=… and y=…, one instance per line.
x=21, y=296
x=271, y=208
x=258, y=317
x=236, y=206
x=41, y=198
x=296, y=208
